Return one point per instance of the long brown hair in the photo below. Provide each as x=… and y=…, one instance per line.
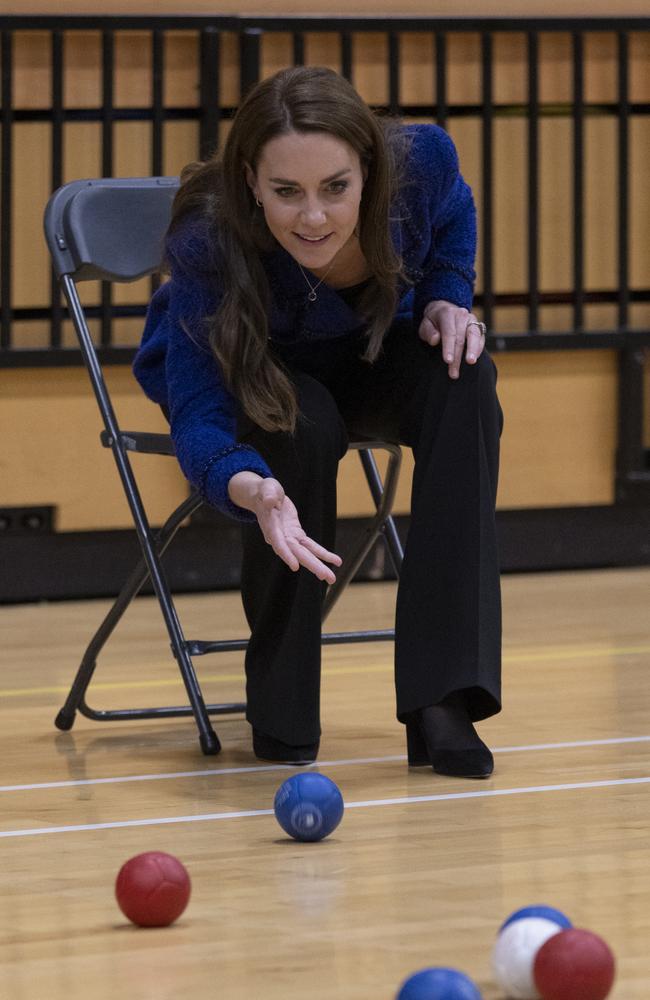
x=300, y=99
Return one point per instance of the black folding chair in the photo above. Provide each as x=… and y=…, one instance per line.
x=113, y=230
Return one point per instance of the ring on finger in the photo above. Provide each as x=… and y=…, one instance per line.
x=476, y=322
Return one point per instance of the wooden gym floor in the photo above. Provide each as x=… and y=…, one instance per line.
x=422, y=870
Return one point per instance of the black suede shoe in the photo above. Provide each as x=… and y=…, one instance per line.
x=443, y=737
x=268, y=748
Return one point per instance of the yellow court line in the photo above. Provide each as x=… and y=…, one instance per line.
x=552, y=654
x=556, y=653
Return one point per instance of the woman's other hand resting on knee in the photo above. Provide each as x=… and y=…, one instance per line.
x=456, y=329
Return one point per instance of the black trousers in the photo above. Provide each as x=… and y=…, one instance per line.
x=448, y=615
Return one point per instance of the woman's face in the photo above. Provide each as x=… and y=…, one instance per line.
x=310, y=186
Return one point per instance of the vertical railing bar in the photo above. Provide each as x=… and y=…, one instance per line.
x=56, y=171
x=157, y=97
x=533, y=181
x=441, y=78
x=249, y=59
x=6, y=50
x=108, y=76
x=108, y=60
x=623, y=180
x=346, y=54
x=486, y=203
x=578, y=181
x=630, y=451
x=209, y=91
x=298, y=48
x=393, y=72
x=157, y=115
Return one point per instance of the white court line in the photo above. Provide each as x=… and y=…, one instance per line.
x=198, y=774
x=575, y=743
x=165, y=776
x=369, y=803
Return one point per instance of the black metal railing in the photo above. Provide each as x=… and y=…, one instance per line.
x=437, y=102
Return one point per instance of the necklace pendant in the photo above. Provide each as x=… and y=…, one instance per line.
x=312, y=296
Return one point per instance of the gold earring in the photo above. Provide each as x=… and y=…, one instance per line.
x=258, y=202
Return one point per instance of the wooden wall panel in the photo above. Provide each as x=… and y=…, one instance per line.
x=31, y=269
x=639, y=220
x=83, y=87
x=323, y=49
x=639, y=57
x=509, y=207
x=559, y=437
x=82, y=155
x=276, y=53
x=556, y=74
x=556, y=204
x=510, y=82
x=32, y=69
x=132, y=69
x=600, y=204
x=181, y=140
x=53, y=455
x=417, y=67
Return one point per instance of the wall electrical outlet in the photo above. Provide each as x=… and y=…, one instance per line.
x=27, y=520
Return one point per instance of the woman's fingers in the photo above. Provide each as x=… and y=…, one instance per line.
x=456, y=330
x=453, y=341
x=428, y=331
x=475, y=339
x=278, y=520
x=320, y=552
x=309, y=561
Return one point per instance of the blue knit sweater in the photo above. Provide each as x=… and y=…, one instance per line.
x=434, y=230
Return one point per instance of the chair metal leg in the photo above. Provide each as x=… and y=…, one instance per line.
x=381, y=524
x=131, y=588
x=384, y=496
x=76, y=697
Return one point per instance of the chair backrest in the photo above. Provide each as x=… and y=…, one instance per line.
x=110, y=228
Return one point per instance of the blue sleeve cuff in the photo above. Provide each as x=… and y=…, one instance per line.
x=449, y=284
x=219, y=470
x=442, y=283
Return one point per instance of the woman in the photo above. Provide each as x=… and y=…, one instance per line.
x=321, y=277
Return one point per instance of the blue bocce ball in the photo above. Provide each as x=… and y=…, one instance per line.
x=308, y=806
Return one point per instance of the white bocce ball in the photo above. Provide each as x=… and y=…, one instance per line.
x=514, y=954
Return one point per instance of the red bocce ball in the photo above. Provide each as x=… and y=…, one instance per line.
x=152, y=889
x=574, y=965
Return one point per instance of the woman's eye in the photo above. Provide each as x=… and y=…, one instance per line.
x=285, y=192
x=338, y=187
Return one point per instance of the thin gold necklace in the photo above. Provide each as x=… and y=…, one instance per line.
x=312, y=288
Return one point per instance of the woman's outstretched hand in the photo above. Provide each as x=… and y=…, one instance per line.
x=456, y=329
x=280, y=525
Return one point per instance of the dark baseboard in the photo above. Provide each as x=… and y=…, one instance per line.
x=206, y=555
